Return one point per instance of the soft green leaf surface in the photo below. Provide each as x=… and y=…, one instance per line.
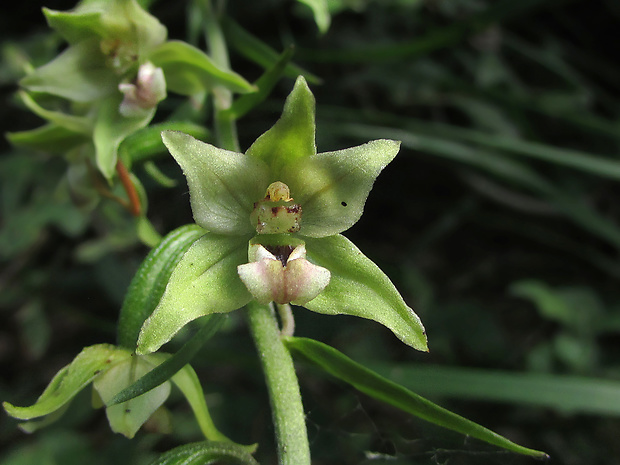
x=332, y=187
x=79, y=124
x=48, y=138
x=203, y=453
x=292, y=137
x=79, y=73
x=149, y=282
x=205, y=281
x=320, y=10
x=358, y=287
x=374, y=385
x=70, y=380
x=110, y=129
x=189, y=71
x=127, y=418
x=223, y=185
x=79, y=24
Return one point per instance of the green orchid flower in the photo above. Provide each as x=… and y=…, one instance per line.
x=274, y=216
x=119, y=65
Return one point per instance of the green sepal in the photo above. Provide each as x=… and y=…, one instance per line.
x=190, y=71
x=124, y=20
x=361, y=378
x=204, y=282
x=70, y=380
x=78, y=74
x=110, y=129
x=48, y=138
x=223, y=185
x=332, y=187
x=206, y=452
x=358, y=287
x=320, y=11
x=127, y=418
x=74, y=123
x=149, y=282
x=293, y=136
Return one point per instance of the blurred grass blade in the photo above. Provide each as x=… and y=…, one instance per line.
x=149, y=282
x=378, y=387
x=259, y=52
x=163, y=372
x=502, y=167
x=566, y=394
x=265, y=84
x=202, y=453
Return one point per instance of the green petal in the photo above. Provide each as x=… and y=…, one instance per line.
x=359, y=288
x=70, y=380
x=111, y=128
x=79, y=74
x=189, y=70
x=332, y=187
x=223, y=185
x=74, y=123
x=292, y=137
x=205, y=281
x=127, y=418
x=49, y=138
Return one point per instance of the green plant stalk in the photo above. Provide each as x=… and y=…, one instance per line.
x=225, y=127
x=287, y=409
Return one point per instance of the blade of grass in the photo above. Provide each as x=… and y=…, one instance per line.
x=378, y=387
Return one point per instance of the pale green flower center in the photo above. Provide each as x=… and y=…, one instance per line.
x=277, y=213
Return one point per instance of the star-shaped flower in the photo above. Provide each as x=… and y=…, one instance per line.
x=274, y=216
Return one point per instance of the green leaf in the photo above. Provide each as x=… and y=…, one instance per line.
x=79, y=124
x=204, y=282
x=378, y=387
x=358, y=287
x=332, y=187
x=146, y=143
x=70, y=380
x=128, y=417
x=320, y=10
x=48, y=138
x=565, y=394
x=149, y=282
x=79, y=74
x=188, y=383
x=264, y=84
x=254, y=49
x=293, y=136
x=81, y=23
x=204, y=453
x=173, y=364
x=190, y=71
x=223, y=185
x=110, y=129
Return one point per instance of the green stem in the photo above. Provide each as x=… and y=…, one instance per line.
x=287, y=409
x=225, y=127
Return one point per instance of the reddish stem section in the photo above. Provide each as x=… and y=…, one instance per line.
x=134, y=201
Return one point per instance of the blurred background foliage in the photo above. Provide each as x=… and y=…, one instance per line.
x=498, y=221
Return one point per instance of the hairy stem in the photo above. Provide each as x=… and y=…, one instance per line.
x=286, y=407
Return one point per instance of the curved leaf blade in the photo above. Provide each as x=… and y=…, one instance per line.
x=378, y=387
x=70, y=380
x=149, y=282
x=203, y=453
